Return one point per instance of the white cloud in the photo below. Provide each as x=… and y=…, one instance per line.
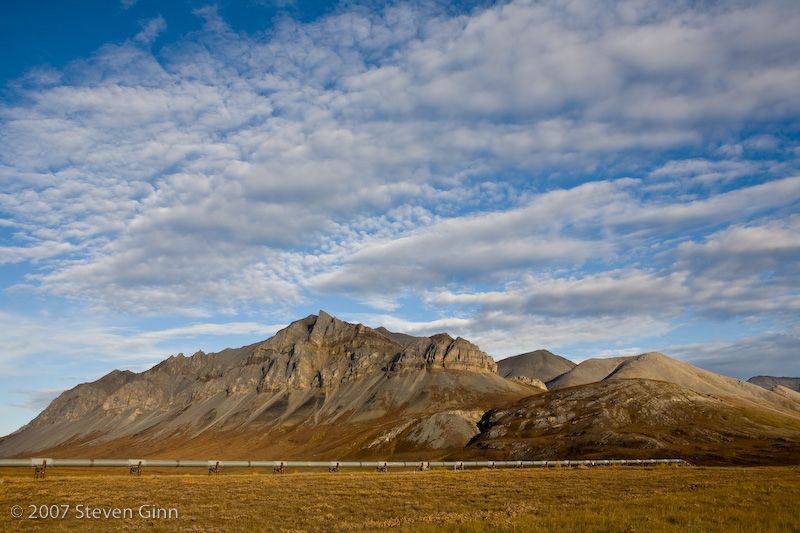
x=565, y=229
x=745, y=252
x=44, y=250
x=410, y=327
x=772, y=353
x=623, y=293
x=506, y=333
x=706, y=171
x=36, y=400
x=63, y=342
x=151, y=30
x=717, y=209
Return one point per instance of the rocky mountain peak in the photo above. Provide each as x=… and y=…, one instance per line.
x=317, y=330
x=440, y=351
x=319, y=351
x=327, y=329
x=323, y=350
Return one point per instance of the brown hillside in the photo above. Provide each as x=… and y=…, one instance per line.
x=639, y=419
x=539, y=364
x=588, y=371
x=656, y=366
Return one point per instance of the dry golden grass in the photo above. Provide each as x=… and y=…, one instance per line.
x=599, y=499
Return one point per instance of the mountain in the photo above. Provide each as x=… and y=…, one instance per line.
x=321, y=386
x=324, y=389
x=657, y=366
x=637, y=418
x=770, y=382
x=539, y=364
x=588, y=371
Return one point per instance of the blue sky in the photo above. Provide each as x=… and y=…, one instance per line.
x=595, y=178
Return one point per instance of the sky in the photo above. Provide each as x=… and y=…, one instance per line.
x=597, y=178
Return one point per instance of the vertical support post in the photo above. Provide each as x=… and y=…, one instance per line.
x=39, y=471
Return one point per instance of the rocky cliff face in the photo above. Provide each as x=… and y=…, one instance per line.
x=323, y=350
x=318, y=352
x=318, y=370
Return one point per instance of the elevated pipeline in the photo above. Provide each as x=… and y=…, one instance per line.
x=381, y=465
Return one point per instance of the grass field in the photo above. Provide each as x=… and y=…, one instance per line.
x=560, y=499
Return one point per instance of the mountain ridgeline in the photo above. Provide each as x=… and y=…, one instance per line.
x=319, y=372
x=771, y=382
x=324, y=389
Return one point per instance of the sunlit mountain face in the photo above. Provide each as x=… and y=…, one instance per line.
x=598, y=179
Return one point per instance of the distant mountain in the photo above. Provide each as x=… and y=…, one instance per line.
x=770, y=382
x=636, y=418
x=588, y=371
x=539, y=364
x=656, y=366
x=318, y=377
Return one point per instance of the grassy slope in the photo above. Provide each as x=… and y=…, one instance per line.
x=601, y=499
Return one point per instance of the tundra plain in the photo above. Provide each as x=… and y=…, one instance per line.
x=559, y=499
